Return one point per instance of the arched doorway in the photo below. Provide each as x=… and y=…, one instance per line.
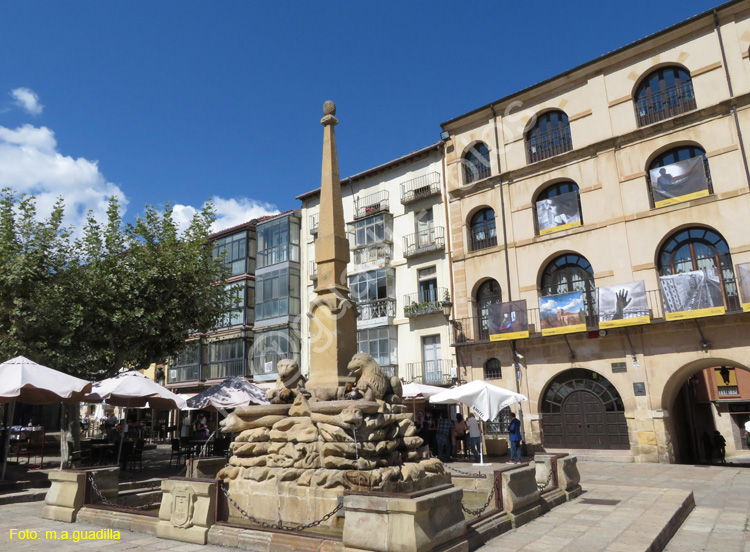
x=581, y=409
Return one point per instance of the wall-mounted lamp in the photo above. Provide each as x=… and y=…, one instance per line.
x=445, y=136
x=447, y=307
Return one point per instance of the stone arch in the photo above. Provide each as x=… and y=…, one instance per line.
x=680, y=376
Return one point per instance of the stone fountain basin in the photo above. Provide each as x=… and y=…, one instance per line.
x=324, y=407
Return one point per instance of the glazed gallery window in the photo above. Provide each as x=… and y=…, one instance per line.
x=371, y=286
x=241, y=305
x=678, y=175
x=476, y=163
x=272, y=346
x=278, y=241
x=370, y=230
x=238, y=251
x=664, y=93
x=380, y=344
x=226, y=358
x=482, y=232
x=558, y=207
x=277, y=294
x=549, y=136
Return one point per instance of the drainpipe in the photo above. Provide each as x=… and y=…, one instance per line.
x=502, y=204
x=731, y=95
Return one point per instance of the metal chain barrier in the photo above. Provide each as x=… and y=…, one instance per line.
x=280, y=525
x=549, y=478
x=461, y=472
x=483, y=508
x=104, y=500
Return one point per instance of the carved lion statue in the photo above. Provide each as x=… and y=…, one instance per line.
x=288, y=383
x=371, y=382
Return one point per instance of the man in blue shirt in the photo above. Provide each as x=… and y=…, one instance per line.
x=514, y=435
x=444, y=427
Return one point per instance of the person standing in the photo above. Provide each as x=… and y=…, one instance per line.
x=514, y=436
x=444, y=428
x=747, y=433
x=458, y=435
x=475, y=436
x=721, y=446
x=186, y=426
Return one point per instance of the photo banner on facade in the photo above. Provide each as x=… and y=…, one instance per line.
x=558, y=213
x=508, y=321
x=562, y=314
x=623, y=305
x=726, y=377
x=743, y=277
x=678, y=182
x=692, y=294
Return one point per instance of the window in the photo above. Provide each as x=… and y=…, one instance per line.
x=190, y=355
x=697, y=249
x=500, y=424
x=428, y=290
x=678, y=175
x=278, y=241
x=489, y=293
x=277, y=294
x=558, y=207
x=226, y=359
x=482, y=233
x=664, y=93
x=492, y=369
x=369, y=230
x=380, y=344
x=242, y=304
x=549, y=136
x=476, y=163
x=568, y=273
x=238, y=251
x=272, y=346
x=371, y=286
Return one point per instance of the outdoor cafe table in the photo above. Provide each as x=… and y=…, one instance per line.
x=100, y=451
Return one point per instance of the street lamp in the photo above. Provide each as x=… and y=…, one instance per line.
x=447, y=307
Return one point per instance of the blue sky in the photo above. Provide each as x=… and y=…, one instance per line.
x=182, y=101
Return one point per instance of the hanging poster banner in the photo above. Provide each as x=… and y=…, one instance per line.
x=726, y=380
x=562, y=314
x=743, y=277
x=623, y=305
x=692, y=294
x=558, y=213
x=509, y=321
x=678, y=182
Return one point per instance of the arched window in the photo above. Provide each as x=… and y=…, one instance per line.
x=678, y=175
x=476, y=162
x=569, y=273
x=489, y=293
x=549, y=136
x=664, y=93
x=482, y=233
x=698, y=248
x=492, y=369
x=558, y=207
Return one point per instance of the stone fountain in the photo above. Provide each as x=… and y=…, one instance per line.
x=344, y=431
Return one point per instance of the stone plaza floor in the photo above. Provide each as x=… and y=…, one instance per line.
x=719, y=522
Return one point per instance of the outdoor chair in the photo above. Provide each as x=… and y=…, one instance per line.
x=176, y=451
x=136, y=455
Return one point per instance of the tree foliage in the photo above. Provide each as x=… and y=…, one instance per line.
x=117, y=295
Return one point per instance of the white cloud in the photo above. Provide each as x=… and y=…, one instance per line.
x=30, y=163
x=229, y=212
x=27, y=99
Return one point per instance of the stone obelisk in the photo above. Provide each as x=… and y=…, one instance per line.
x=333, y=324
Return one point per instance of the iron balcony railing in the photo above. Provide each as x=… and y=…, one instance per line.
x=371, y=204
x=547, y=144
x=420, y=188
x=313, y=223
x=425, y=241
x=186, y=372
x=675, y=100
x=372, y=253
x=221, y=369
x=476, y=170
x=431, y=372
x=313, y=270
x=423, y=302
x=383, y=308
x=483, y=235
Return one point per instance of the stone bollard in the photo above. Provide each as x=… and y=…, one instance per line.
x=568, y=477
x=546, y=477
x=65, y=496
x=521, y=495
x=410, y=523
x=188, y=509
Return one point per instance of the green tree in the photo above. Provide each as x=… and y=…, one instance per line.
x=119, y=295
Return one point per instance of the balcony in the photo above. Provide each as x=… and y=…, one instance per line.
x=548, y=144
x=313, y=271
x=371, y=205
x=376, y=313
x=426, y=241
x=420, y=188
x=424, y=302
x=431, y=372
x=675, y=100
x=313, y=223
x=222, y=369
x=181, y=374
x=376, y=255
